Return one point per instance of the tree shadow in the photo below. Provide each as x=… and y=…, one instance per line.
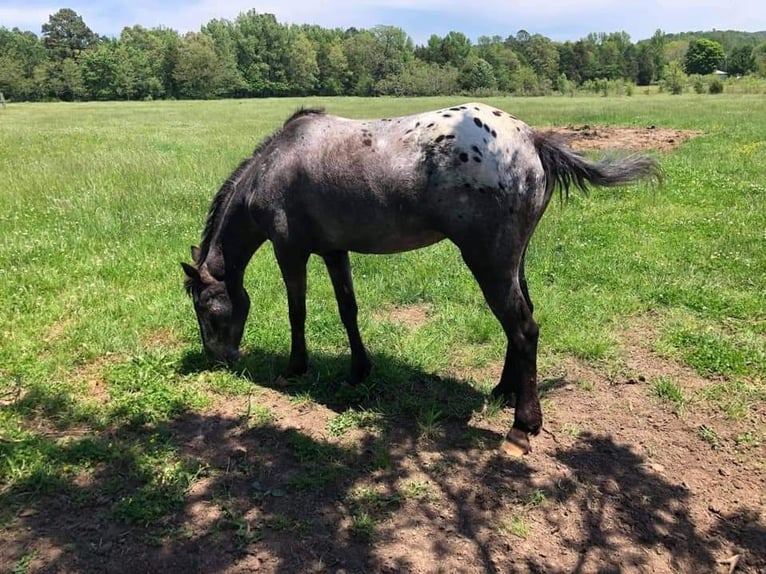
x=210, y=493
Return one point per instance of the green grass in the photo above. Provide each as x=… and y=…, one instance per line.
x=99, y=349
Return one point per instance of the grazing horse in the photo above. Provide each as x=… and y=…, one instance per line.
x=327, y=185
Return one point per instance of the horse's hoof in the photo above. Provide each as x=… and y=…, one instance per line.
x=516, y=443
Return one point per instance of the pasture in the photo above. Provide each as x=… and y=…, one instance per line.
x=120, y=450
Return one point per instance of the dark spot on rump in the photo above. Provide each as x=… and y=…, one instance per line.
x=408, y=132
x=477, y=121
x=463, y=108
x=477, y=159
x=450, y=136
x=512, y=117
x=417, y=125
x=518, y=129
x=494, y=134
x=498, y=113
x=486, y=127
x=367, y=142
x=440, y=138
x=463, y=157
x=446, y=115
x=430, y=125
x=455, y=109
x=475, y=108
x=476, y=150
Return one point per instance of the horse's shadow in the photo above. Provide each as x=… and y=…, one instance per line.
x=394, y=387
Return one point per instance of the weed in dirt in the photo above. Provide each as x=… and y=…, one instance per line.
x=23, y=564
x=354, y=419
x=736, y=399
x=418, y=490
x=429, y=422
x=747, y=440
x=259, y=415
x=303, y=400
x=162, y=494
x=245, y=532
x=493, y=407
x=668, y=390
x=362, y=526
x=516, y=525
x=584, y=385
x=708, y=434
x=572, y=430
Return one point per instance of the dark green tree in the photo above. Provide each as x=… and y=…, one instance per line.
x=703, y=56
x=741, y=61
x=66, y=35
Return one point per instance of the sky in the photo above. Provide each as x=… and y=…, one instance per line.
x=559, y=20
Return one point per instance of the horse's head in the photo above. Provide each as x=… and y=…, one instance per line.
x=221, y=309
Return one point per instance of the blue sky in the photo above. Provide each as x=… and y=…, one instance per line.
x=557, y=19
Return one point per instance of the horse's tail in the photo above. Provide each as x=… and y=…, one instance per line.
x=564, y=167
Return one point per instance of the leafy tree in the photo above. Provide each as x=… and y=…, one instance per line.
x=99, y=71
x=300, y=63
x=477, y=74
x=759, y=54
x=20, y=53
x=674, y=79
x=703, y=56
x=741, y=61
x=503, y=60
x=198, y=71
x=66, y=35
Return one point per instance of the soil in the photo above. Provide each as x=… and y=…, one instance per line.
x=617, y=482
x=586, y=138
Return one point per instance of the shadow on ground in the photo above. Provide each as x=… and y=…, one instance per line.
x=241, y=496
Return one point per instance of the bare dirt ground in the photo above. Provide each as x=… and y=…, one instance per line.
x=617, y=482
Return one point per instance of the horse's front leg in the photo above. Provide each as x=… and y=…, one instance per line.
x=293, y=267
x=339, y=267
x=500, y=282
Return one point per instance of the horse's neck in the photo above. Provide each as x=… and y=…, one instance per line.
x=231, y=245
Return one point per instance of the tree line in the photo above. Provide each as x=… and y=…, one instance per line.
x=257, y=56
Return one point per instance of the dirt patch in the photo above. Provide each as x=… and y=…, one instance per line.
x=411, y=316
x=586, y=137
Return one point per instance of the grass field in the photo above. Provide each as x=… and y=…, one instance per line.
x=99, y=350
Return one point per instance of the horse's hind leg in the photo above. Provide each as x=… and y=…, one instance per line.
x=339, y=267
x=293, y=267
x=500, y=281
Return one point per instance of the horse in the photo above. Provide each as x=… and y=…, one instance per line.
x=327, y=185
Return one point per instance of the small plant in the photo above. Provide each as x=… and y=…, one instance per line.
x=747, y=440
x=362, y=526
x=715, y=87
x=516, y=526
x=429, y=423
x=708, y=435
x=667, y=390
x=418, y=490
x=571, y=430
x=534, y=498
x=352, y=419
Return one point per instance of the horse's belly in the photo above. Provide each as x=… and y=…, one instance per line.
x=365, y=238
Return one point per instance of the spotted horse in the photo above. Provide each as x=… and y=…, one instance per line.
x=327, y=185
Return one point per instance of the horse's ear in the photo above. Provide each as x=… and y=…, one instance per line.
x=195, y=253
x=191, y=272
